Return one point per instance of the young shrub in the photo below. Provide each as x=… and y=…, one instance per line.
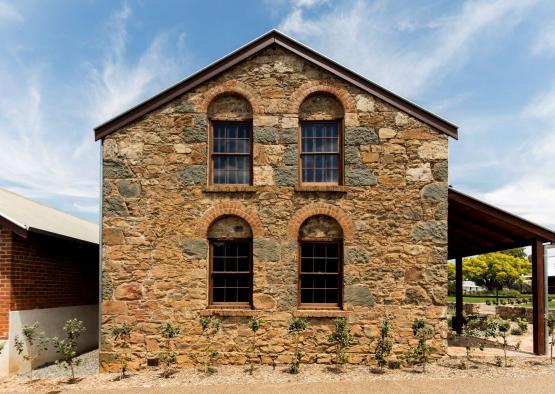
x=384, y=345
x=169, y=331
x=122, y=334
x=420, y=354
x=341, y=339
x=517, y=331
x=254, y=353
x=503, y=330
x=297, y=326
x=68, y=347
x=550, y=321
x=488, y=301
x=471, y=330
x=522, y=324
x=35, y=342
x=210, y=327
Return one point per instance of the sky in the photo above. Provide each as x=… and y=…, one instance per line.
x=488, y=66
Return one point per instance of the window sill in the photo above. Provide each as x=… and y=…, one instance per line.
x=320, y=313
x=229, y=312
x=229, y=189
x=321, y=188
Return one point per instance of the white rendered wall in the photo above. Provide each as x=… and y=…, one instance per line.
x=51, y=321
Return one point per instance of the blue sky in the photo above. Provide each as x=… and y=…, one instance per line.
x=487, y=66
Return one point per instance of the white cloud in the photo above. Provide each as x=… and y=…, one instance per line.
x=365, y=36
x=531, y=198
x=8, y=13
x=46, y=124
x=545, y=42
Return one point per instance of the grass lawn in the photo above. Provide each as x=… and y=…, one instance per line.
x=482, y=300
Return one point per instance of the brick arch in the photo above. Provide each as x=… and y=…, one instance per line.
x=321, y=209
x=232, y=209
x=231, y=87
x=306, y=89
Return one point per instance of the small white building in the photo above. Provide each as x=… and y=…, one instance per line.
x=469, y=285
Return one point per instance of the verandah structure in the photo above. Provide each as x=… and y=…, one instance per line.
x=475, y=227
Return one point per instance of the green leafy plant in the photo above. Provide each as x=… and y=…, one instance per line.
x=210, y=327
x=68, y=347
x=254, y=353
x=470, y=331
x=169, y=331
x=550, y=321
x=422, y=331
x=296, y=327
x=122, y=335
x=341, y=339
x=384, y=345
x=488, y=302
x=501, y=328
x=522, y=324
x=34, y=341
x=517, y=331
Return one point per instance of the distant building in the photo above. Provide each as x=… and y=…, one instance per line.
x=469, y=285
x=48, y=273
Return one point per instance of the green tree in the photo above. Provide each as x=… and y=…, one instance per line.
x=384, y=345
x=296, y=327
x=495, y=270
x=34, y=341
x=210, y=327
x=451, y=277
x=122, y=335
x=515, y=252
x=253, y=355
x=341, y=339
x=422, y=331
x=169, y=331
x=68, y=347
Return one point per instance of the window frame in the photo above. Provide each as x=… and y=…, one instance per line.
x=340, y=286
x=229, y=305
x=340, y=153
x=211, y=152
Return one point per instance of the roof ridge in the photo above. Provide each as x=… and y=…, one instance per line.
x=272, y=37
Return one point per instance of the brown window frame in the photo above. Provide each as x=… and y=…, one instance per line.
x=212, y=154
x=335, y=306
x=340, y=153
x=211, y=302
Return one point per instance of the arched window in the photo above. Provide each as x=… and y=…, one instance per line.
x=230, y=239
x=230, y=118
x=320, y=263
x=321, y=150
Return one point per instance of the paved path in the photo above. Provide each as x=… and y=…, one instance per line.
x=529, y=385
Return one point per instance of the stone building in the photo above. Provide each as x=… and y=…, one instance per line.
x=272, y=183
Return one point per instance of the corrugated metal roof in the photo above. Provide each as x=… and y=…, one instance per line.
x=32, y=216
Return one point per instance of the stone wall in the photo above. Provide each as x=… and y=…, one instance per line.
x=158, y=208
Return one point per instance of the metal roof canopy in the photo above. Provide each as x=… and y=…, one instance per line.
x=475, y=227
x=22, y=215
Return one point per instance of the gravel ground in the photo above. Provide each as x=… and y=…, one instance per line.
x=89, y=366
x=447, y=368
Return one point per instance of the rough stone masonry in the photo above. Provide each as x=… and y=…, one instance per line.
x=158, y=207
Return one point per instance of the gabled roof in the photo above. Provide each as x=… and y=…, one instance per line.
x=475, y=227
x=273, y=37
x=21, y=215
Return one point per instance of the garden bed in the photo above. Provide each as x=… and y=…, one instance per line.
x=446, y=368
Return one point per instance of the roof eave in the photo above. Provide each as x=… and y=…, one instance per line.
x=273, y=37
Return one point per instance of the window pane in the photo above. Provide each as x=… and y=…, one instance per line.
x=319, y=280
x=218, y=295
